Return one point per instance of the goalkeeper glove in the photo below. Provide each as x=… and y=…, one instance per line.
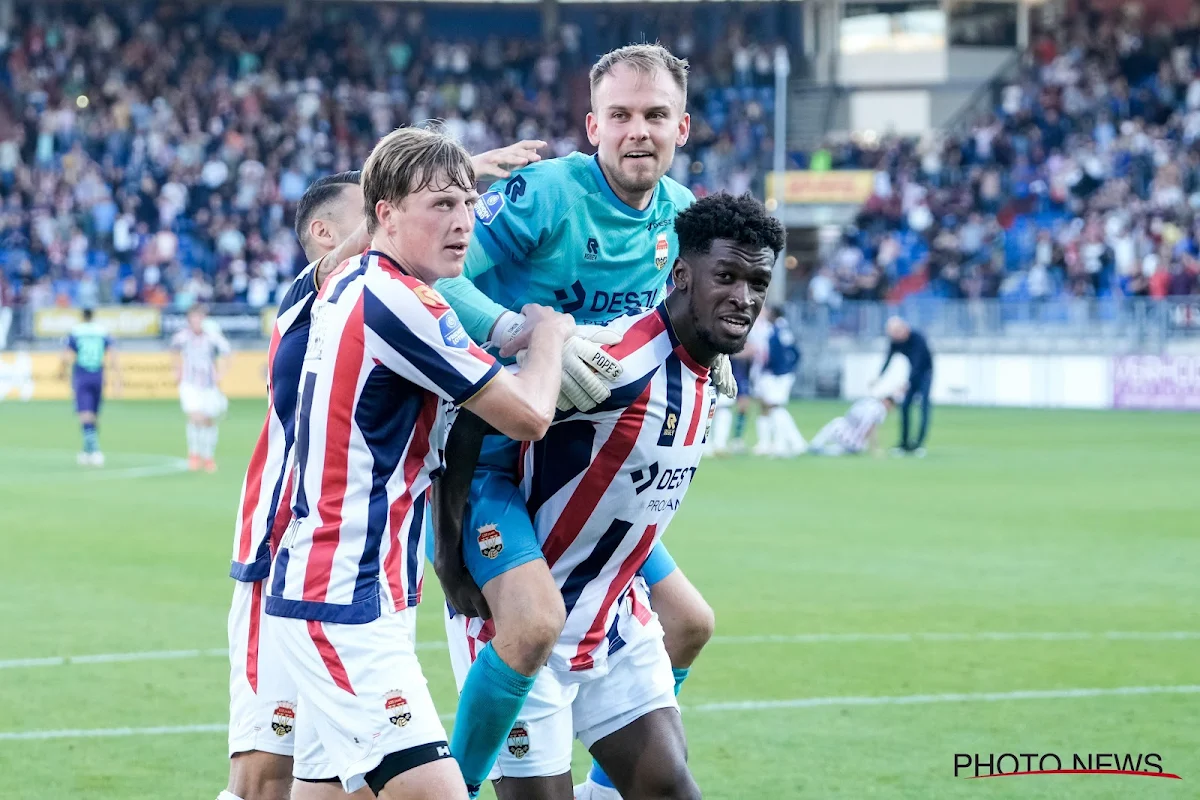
x=722, y=377
x=587, y=369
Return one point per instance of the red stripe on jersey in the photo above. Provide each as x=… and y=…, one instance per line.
x=254, y=477
x=323, y=292
x=639, y=334
x=695, y=366
x=696, y=409
x=418, y=449
x=333, y=662
x=252, y=641
x=521, y=463
x=597, y=479
x=640, y=612
x=283, y=516
x=487, y=631
x=632, y=563
x=325, y=539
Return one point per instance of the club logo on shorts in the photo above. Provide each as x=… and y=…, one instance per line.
x=283, y=720
x=518, y=740
x=661, y=250
x=490, y=542
x=397, y=709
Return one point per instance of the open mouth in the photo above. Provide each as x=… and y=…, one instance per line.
x=457, y=249
x=638, y=155
x=736, y=324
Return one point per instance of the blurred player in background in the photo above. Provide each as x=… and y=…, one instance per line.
x=594, y=236
x=88, y=349
x=201, y=356
x=912, y=345
x=856, y=431
x=731, y=414
x=602, y=487
x=331, y=227
x=778, y=435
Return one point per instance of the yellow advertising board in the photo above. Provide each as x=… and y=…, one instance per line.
x=836, y=187
x=122, y=322
x=144, y=376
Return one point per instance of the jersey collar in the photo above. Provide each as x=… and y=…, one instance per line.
x=680, y=351
x=611, y=196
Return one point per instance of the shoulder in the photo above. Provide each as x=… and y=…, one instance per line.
x=551, y=180
x=676, y=193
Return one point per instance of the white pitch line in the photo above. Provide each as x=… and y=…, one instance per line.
x=799, y=638
x=703, y=708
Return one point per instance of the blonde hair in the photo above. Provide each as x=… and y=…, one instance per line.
x=408, y=160
x=644, y=59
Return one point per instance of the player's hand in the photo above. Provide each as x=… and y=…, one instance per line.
x=499, y=163
x=722, y=377
x=588, y=369
x=457, y=584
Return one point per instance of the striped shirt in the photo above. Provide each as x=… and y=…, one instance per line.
x=386, y=357
x=862, y=418
x=603, y=486
x=263, y=510
x=199, y=352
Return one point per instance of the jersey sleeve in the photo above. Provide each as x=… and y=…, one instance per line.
x=178, y=339
x=413, y=332
x=71, y=342
x=220, y=343
x=476, y=310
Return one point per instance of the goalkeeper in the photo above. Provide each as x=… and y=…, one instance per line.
x=592, y=236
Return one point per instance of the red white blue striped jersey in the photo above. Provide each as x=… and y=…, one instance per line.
x=862, y=418
x=263, y=510
x=602, y=487
x=385, y=358
x=199, y=353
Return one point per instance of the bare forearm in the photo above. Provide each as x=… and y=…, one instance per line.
x=541, y=374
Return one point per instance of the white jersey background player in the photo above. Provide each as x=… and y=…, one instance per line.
x=601, y=488
x=857, y=431
x=201, y=356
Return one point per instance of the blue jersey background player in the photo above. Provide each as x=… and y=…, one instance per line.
x=89, y=346
x=592, y=236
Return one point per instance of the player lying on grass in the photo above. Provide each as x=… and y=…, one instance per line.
x=331, y=227
x=592, y=236
x=857, y=431
x=89, y=349
x=386, y=362
x=602, y=487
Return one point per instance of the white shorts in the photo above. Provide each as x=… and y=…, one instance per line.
x=262, y=695
x=362, y=695
x=774, y=390
x=563, y=707
x=204, y=400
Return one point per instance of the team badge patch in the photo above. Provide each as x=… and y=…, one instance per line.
x=488, y=206
x=490, y=541
x=712, y=412
x=429, y=296
x=283, y=720
x=453, y=332
x=661, y=250
x=396, y=708
x=518, y=740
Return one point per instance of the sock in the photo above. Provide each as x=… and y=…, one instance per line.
x=228, y=796
x=210, y=441
x=680, y=674
x=739, y=425
x=762, y=426
x=790, y=439
x=722, y=422
x=91, y=442
x=488, y=705
x=193, y=439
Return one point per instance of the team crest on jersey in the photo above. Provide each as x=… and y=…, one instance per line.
x=396, y=708
x=490, y=541
x=662, y=249
x=488, y=206
x=518, y=740
x=283, y=720
x=453, y=332
x=712, y=412
x=429, y=296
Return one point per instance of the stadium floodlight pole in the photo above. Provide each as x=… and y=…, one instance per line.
x=778, y=290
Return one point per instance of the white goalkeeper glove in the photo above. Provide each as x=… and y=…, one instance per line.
x=509, y=326
x=722, y=377
x=587, y=369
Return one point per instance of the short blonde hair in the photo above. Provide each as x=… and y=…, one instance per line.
x=645, y=59
x=408, y=160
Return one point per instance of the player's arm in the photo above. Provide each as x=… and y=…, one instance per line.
x=112, y=365
x=224, y=355
x=891, y=352
x=68, y=358
x=177, y=357
x=451, y=508
x=478, y=312
x=357, y=242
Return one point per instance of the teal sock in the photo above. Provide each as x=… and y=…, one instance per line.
x=598, y=775
x=739, y=425
x=488, y=705
x=91, y=440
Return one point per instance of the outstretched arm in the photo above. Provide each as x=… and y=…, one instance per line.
x=451, y=508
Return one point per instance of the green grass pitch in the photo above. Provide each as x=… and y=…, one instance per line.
x=1020, y=522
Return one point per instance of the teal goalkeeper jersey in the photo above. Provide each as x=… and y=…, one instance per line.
x=90, y=342
x=554, y=233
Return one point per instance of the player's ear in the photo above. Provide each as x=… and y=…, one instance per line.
x=593, y=129
x=685, y=130
x=680, y=273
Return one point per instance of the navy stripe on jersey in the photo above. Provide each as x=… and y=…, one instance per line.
x=571, y=442
x=623, y=396
x=299, y=290
x=671, y=421
x=387, y=410
x=414, y=550
x=281, y=563
x=300, y=506
x=392, y=329
x=344, y=280
x=590, y=567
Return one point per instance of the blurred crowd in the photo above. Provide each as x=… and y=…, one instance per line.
x=155, y=152
x=1083, y=181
